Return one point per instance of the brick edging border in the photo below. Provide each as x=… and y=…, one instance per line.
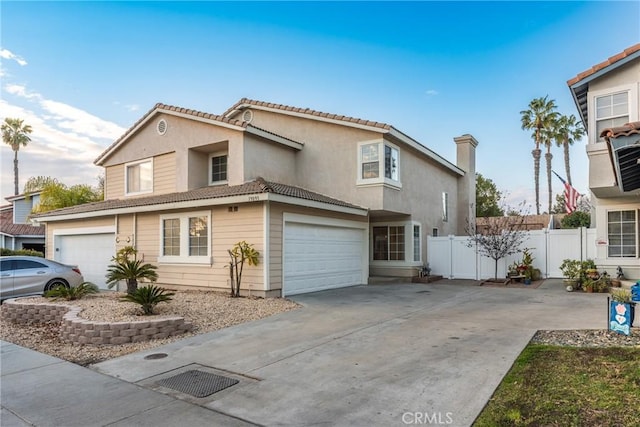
x=82, y=331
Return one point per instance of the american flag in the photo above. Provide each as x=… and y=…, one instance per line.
x=570, y=195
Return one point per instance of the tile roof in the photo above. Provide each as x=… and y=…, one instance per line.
x=612, y=60
x=257, y=186
x=625, y=130
x=8, y=227
x=247, y=101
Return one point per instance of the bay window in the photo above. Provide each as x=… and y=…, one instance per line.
x=378, y=163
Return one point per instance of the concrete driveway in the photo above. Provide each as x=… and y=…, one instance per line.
x=378, y=355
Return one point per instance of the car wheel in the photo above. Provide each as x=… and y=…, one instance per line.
x=56, y=283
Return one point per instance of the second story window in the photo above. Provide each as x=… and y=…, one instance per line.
x=378, y=163
x=445, y=207
x=611, y=111
x=218, y=169
x=139, y=177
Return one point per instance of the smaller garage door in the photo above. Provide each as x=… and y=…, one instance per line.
x=318, y=257
x=92, y=253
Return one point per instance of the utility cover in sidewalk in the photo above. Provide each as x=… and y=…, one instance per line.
x=198, y=383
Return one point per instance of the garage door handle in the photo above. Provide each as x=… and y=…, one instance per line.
x=42, y=272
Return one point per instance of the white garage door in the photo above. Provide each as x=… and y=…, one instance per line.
x=91, y=252
x=318, y=257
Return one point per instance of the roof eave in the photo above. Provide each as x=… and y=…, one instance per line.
x=245, y=198
x=426, y=151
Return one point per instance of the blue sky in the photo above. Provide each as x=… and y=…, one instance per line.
x=81, y=73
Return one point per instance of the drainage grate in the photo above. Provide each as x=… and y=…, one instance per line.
x=198, y=383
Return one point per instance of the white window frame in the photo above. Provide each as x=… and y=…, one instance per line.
x=184, y=257
x=382, y=179
x=211, y=157
x=126, y=177
x=417, y=257
x=637, y=233
x=632, y=90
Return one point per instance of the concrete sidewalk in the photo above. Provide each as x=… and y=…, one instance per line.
x=378, y=355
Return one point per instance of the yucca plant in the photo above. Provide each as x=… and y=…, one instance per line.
x=72, y=293
x=148, y=297
x=131, y=270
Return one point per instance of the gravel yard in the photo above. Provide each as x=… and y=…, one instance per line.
x=207, y=311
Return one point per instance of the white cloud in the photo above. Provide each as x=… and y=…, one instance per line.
x=7, y=54
x=132, y=107
x=431, y=92
x=20, y=91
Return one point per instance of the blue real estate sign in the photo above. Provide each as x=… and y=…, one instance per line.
x=620, y=317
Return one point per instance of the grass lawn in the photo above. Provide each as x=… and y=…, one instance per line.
x=568, y=386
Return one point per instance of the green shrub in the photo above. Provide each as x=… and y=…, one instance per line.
x=576, y=219
x=148, y=297
x=70, y=294
x=24, y=252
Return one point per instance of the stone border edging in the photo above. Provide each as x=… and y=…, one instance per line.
x=82, y=331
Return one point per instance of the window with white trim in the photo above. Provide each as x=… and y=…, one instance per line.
x=388, y=243
x=218, y=169
x=417, y=243
x=185, y=238
x=378, y=163
x=622, y=233
x=611, y=110
x=139, y=177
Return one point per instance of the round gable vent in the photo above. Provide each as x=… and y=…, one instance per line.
x=247, y=116
x=162, y=127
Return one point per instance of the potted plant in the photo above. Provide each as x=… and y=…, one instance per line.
x=588, y=285
x=571, y=271
x=528, y=274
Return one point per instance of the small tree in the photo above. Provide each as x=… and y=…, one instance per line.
x=500, y=237
x=130, y=269
x=487, y=197
x=242, y=252
x=576, y=219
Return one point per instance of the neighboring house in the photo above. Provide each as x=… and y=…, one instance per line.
x=327, y=200
x=16, y=231
x=607, y=97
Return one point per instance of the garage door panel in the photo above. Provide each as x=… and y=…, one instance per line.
x=318, y=257
x=92, y=253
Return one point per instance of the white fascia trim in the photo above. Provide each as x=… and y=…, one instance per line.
x=605, y=70
x=89, y=230
x=427, y=152
x=275, y=138
x=248, y=198
x=323, y=220
x=317, y=205
x=266, y=221
x=310, y=116
x=100, y=160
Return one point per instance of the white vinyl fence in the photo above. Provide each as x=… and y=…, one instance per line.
x=450, y=257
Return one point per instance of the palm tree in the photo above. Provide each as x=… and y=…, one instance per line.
x=130, y=270
x=548, y=136
x=15, y=133
x=568, y=130
x=540, y=116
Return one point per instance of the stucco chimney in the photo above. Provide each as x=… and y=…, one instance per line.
x=466, y=160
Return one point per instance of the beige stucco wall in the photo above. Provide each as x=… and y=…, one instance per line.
x=268, y=159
